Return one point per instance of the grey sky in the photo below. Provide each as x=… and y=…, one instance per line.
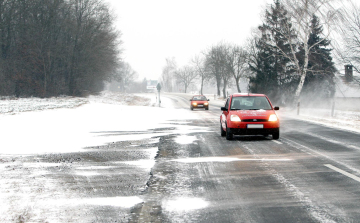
x=153, y=30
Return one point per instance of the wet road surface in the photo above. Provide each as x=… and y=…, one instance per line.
x=311, y=174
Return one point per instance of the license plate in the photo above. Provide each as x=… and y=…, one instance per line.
x=200, y=105
x=255, y=126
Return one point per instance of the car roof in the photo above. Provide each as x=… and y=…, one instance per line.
x=247, y=94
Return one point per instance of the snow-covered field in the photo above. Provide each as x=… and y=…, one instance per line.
x=342, y=119
x=69, y=124
x=11, y=105
x=66, y=124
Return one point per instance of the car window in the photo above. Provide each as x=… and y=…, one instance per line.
x=236, y=103
x=227, y=103
x=199, y=98
x=250, y=103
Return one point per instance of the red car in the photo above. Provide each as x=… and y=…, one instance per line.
x=249, y=114
x=199, y=101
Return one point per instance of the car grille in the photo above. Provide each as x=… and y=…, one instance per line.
x=254, y=120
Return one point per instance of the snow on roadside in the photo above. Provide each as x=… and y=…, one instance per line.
x=101, y=120
x=347, y=120
x=12, y=105
x=35, y=126
x=16, y=105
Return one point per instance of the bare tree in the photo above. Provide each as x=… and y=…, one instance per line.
x=238, y=63
x=127, y=75
x=348, y=50
x=168, y=74
x=200, y=69
x=216, y=63
x=186, y=76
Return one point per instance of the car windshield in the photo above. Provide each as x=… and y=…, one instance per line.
x=250, y=103
x=199, y=98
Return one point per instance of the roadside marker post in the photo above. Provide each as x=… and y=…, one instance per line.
x=158, y=87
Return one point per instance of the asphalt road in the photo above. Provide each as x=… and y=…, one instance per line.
x=311, y=174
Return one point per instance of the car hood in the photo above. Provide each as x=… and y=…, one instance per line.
x=253, y=114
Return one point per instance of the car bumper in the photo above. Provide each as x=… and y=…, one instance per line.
x=200, y=106
x=246, y=131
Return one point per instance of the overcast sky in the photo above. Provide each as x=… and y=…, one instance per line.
x=153, y=30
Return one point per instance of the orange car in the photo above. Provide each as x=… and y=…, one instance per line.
x=249, y=114
x=199, y=101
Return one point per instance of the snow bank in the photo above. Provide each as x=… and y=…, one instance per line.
x=16, y=105
x=99, y=121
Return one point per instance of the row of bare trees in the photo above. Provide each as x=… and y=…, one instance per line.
x=290, y=53
x=56, y=47
x=219, y=63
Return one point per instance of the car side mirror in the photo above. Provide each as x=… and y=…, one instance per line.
x=276, y=108
x=190, y=99
x=208, y=99
x=223, y=109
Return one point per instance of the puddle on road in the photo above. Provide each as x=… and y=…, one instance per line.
x=88, y=173
x=124, y=202
x=184, y=204
x=221, y=159
x=42, y=165
x=185, y=139
x=96, y=167
x=146, y=164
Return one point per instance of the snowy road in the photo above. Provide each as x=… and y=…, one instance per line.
x=310, y=175
x=181, y=170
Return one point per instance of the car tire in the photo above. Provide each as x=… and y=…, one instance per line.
x=207, y=108
x=276, y=135
x=223, y=133
x=191, y=108
x=229, y=135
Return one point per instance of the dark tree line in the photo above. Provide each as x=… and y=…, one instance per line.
x=54, y=47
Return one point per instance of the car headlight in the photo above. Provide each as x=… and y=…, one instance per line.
x=206, y=103
x=194, y=103
x=273, y=118
x=235, y=118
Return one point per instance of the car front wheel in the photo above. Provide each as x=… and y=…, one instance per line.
x=223, y=133
x=276, y=135
x=229, y=135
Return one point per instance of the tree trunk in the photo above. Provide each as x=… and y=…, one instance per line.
x=224, y=89
x=218, y=83
x=303, y=75
x=238, y=85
